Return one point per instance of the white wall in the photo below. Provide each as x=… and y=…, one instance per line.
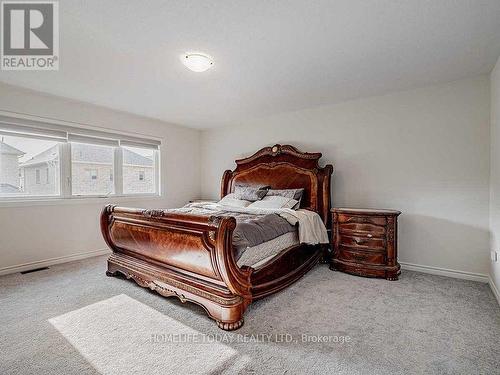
x=424, y=152
x=495, y=174
x=40, y=232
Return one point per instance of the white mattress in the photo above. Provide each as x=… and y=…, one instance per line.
x=256, y=255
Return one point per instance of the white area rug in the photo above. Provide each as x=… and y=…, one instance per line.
x=120, y=336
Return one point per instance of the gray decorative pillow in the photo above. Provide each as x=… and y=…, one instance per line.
x=287, y=193
x=250, y=193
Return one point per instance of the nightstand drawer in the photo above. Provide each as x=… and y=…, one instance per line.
x=358, y=219
x=361, y=257
x=362, y=242
x=365, y=230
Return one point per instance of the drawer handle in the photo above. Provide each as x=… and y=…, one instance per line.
x=369, y=235
x=359, y=242
x=359, y=258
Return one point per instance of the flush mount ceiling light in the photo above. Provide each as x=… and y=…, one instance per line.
x=197, y=62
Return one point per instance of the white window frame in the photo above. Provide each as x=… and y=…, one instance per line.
x=37, y=125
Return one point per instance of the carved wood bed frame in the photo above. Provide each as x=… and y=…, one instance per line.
x=191, y=257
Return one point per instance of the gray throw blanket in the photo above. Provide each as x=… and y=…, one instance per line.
x=259, y=230
x=251, y=229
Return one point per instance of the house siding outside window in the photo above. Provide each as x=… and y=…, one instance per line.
x=31, y=172
x=138, y=173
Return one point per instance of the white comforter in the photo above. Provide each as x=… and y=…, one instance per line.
x=311, y=228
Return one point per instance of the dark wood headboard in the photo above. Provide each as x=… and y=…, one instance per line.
x=285, y=167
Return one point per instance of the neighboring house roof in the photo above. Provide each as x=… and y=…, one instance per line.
x=133, y=158
x=89, y=154
x=8, y=189
x=8, y=149
x=41, y=158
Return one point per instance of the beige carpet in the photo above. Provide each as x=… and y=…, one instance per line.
x=73, y=319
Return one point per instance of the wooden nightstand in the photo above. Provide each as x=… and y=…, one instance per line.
x=365, y=242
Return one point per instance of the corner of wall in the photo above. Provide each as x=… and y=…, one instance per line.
x=494, y=204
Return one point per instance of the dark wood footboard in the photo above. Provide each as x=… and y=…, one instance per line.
x=187, y=256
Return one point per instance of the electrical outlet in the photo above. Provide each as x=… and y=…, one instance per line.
x=494, y=256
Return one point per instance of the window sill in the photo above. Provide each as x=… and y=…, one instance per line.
x=48, y=201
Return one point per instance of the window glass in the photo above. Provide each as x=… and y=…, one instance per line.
x=30, y=166
x=92, y=169
x=139, y=174
x=22, y=161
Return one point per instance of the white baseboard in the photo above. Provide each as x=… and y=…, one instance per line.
x=406, y=266
x=445, y=272
x=51, y=261
x=494, y=289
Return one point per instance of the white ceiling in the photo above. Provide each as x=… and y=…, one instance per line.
x=270, y=56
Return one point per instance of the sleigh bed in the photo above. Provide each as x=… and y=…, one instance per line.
x=192, y=256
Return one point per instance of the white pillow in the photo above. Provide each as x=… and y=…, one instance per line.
x=231, y=201
x=274, y=202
